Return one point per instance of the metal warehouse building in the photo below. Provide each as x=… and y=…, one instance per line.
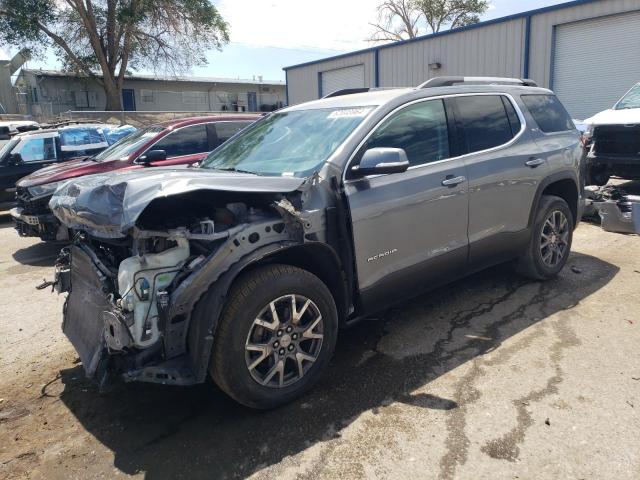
x=588, y=51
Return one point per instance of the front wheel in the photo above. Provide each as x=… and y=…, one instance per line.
x=275, y=337
x=550, y=243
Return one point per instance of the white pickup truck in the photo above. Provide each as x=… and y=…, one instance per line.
x=613, y=141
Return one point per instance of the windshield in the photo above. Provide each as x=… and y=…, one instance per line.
x=126, y=146
x=288, y=143
x=630, y=100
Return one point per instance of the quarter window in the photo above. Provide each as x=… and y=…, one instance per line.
x=186, y=141
x=548, y=113
x=420, y=130
x=485, y=121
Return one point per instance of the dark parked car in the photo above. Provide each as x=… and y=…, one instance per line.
x=27, y=152
x=175, y=142
x=309, y=220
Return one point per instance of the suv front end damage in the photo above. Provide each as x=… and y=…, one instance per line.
x=132, y=290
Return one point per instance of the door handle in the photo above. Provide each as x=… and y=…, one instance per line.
x=451, y=181
x=534, y=162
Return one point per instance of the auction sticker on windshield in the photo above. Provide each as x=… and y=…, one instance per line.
x=349, y=113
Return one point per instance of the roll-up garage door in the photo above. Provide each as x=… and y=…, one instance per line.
x=340, y=78
x=596, y=62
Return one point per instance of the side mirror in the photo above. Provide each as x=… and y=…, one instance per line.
x=152, y=156
x=381, y=161
x=15, y=159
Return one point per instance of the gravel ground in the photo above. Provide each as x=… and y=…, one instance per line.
x=491, y=377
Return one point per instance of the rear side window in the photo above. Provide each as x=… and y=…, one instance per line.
x=186, y=141
x=81, y=136
x=420, y=129
x=485, y=121
x=548, y=113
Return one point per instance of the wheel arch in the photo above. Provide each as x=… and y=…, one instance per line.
x=316, y=258
x=563, y=185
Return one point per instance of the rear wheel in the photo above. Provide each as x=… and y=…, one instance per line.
x=275, y=337
x=551, y=238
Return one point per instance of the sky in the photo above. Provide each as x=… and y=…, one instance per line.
x=267, y=35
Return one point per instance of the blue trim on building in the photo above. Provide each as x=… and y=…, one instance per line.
x=376, y=68
x=527, y=47
x=552, y=66
x=508, y=18
x=286, y=87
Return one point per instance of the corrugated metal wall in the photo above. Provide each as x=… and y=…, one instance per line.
x=496, y=49
x=303, y=82
x=542, y=27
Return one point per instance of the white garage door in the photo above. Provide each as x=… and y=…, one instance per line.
x=596, y=62
x=348, y=77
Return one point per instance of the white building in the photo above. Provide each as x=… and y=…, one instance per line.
x=50, y=92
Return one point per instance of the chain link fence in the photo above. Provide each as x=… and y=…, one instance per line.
x=136, y=118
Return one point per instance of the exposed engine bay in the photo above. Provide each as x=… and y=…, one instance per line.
x=132, y=293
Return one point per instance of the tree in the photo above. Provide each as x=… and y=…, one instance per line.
x=397, y=20
x=403, y=19
x=103, y=39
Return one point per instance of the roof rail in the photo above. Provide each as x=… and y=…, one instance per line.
x=346, y=91
x=450, y=81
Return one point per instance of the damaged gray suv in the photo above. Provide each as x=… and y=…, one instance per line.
x=247, y=266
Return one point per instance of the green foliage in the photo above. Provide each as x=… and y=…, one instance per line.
x=451, y=13
x=401, y=19
x=107, y=37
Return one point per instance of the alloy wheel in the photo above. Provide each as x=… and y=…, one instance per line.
x=554, y=238
x=284, y=341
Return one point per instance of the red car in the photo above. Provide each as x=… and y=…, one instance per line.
x=177, y=142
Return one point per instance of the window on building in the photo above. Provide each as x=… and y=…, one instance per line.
x=38, y=150
x=548, y=113
x=194, y=98
x=35, y=95
x=483, y=121
x=185, y=141
x=82, y=99
x=66, y=97
x=147, y=96
x=420, y=129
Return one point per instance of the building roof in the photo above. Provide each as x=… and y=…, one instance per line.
x=162, y=78
x=378, y=97
x=508, y=18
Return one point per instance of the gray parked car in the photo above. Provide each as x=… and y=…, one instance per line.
x=310, y=219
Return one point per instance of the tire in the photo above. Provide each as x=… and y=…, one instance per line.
x=536, y=262
x=260, y=363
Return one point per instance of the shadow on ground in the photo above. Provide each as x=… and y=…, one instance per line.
x=41, y=254
x=197, y=432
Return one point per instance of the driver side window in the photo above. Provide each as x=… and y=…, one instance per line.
x=185, y=141
x=38, y=150
x=419, y=129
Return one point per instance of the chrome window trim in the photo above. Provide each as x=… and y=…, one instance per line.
x=523, y=127
x=135, y=162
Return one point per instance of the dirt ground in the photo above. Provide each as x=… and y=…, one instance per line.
x=491, y=377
